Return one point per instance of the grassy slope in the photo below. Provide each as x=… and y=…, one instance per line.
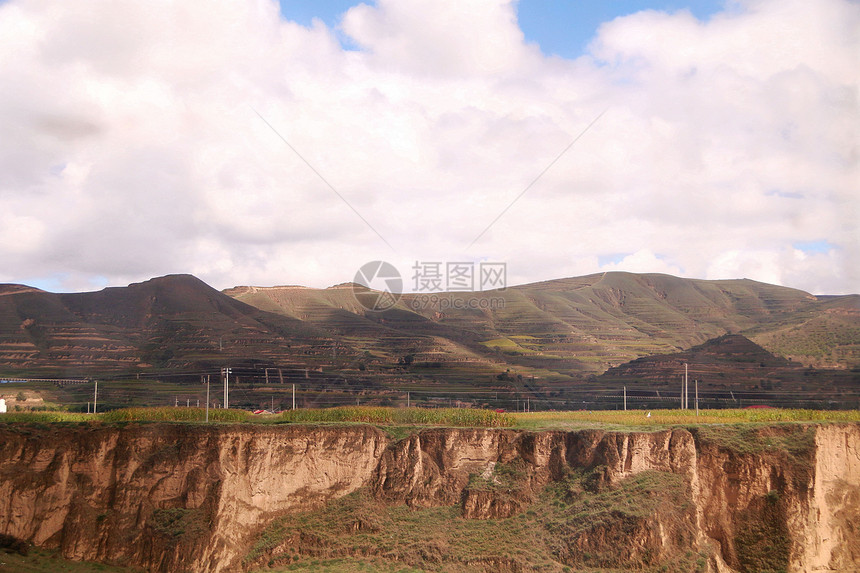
x=41, y=561
x=439, y=539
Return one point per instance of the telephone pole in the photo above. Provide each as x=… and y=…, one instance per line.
x=686, y=388
x=697, y=397
x=226, y=371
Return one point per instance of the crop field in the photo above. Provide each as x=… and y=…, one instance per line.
x=458, y=417
x=664, y=418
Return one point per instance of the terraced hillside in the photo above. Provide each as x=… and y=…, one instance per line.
x=551, y=333
x=730, y=368
x=582, y=325
x=170, y=322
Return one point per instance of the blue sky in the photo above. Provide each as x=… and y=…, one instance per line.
x=561, y=28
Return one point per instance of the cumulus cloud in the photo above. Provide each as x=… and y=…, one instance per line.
x=133, y=147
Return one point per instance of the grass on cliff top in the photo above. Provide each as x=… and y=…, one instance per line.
x=667, y=418
x=44, y=561
x=156, y=414
x=401, y=416
x=461, y=417
x=458, y=417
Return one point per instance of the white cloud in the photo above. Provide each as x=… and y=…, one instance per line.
x=132, y=148
x=643, y=261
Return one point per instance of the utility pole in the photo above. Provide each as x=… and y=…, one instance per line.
x=96, y=397
x=407, y=399
x=697, y=397
x=207, y=398
x=226, y=372
x=625, y=398
x=294, y=396
x=686, y=389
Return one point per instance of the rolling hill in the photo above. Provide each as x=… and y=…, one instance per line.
x=581, y=325
x=732, y=367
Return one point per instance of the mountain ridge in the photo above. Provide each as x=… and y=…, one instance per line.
x=547, y=331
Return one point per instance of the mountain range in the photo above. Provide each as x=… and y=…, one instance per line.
x=552, y=332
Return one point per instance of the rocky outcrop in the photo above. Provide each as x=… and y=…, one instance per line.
x=172, y=497
x=434, y=466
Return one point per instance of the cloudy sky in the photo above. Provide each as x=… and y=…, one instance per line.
x=257, y=142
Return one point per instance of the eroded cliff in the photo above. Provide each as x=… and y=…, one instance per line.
x=172, y=497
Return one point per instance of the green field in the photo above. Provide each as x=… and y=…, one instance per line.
x=455, y=417
x=667, y=418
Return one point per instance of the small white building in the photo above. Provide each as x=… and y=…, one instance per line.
x=2, y=406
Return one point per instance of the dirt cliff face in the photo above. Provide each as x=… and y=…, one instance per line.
x=433, y=467
x=193, y=498
x=171, y=497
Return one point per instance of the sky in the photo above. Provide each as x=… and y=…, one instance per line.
x=266, y=143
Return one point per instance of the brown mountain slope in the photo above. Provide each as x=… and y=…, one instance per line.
x=174, y=321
